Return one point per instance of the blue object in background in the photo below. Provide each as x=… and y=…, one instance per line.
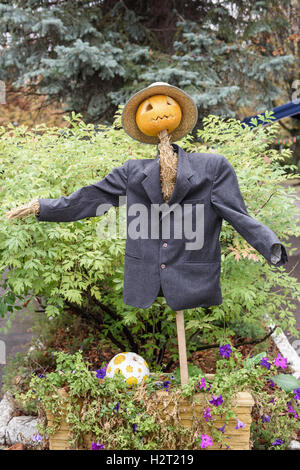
x=291, y=109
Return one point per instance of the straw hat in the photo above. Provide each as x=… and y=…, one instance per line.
x=187, y=105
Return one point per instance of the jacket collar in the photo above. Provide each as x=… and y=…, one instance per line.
x=152, y=184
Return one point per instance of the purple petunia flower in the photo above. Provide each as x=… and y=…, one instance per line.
x=225, y=351
x=292, y=411
x=97, y=446
x=216, y=401
x=207, y=415
x=239, y=424
x=37, y=437
x=277, y=442
x=265, y=363
x=297, y=393
x=116, y=408
x=280, y=361
x=134, y=427
x=271, y=383
x=222, y=429
x=166, y=385
x=266, y=418
x=206, y=441
x=101, y=373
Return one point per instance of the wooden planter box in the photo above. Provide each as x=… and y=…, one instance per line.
x=187, y=412
x=239, y=439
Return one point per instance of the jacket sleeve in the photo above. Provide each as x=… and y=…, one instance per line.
x=229, y=204
x=89, y=201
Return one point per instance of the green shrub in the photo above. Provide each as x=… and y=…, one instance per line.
x=68, y=266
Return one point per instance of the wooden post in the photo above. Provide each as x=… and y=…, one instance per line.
x=184, y=377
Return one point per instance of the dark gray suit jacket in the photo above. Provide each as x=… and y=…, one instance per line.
x=189, y=278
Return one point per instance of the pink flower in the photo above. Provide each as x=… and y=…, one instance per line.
x=206, y=441
x=97, y=446
x=280, y=361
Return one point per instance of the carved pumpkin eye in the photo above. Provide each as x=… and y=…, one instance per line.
x=149, y=107
x=170, y=100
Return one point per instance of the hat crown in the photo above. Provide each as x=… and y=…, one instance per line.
x=159, y=83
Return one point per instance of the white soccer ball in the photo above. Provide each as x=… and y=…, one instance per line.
x=132, y=366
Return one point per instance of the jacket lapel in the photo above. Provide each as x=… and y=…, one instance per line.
x=152, y=183
x=184, y=172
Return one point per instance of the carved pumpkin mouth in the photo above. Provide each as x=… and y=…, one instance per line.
x=163, y=117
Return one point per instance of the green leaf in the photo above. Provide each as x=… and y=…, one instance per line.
x=3, y=309
x=286, y=381
x=251, y=361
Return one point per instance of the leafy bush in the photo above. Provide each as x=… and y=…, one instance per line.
x=68, y=266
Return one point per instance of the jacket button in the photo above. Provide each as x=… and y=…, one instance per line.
x=163, y=266
x=165, y=245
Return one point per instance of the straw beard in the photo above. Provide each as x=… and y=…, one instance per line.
x=168, y=165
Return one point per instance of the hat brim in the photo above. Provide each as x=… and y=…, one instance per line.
x=187, y=105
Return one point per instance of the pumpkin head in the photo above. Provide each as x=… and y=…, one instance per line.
x=157, y=113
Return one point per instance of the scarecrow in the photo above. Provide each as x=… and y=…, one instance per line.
x=176, y=186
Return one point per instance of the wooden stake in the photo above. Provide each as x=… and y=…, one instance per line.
x=184, y=377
